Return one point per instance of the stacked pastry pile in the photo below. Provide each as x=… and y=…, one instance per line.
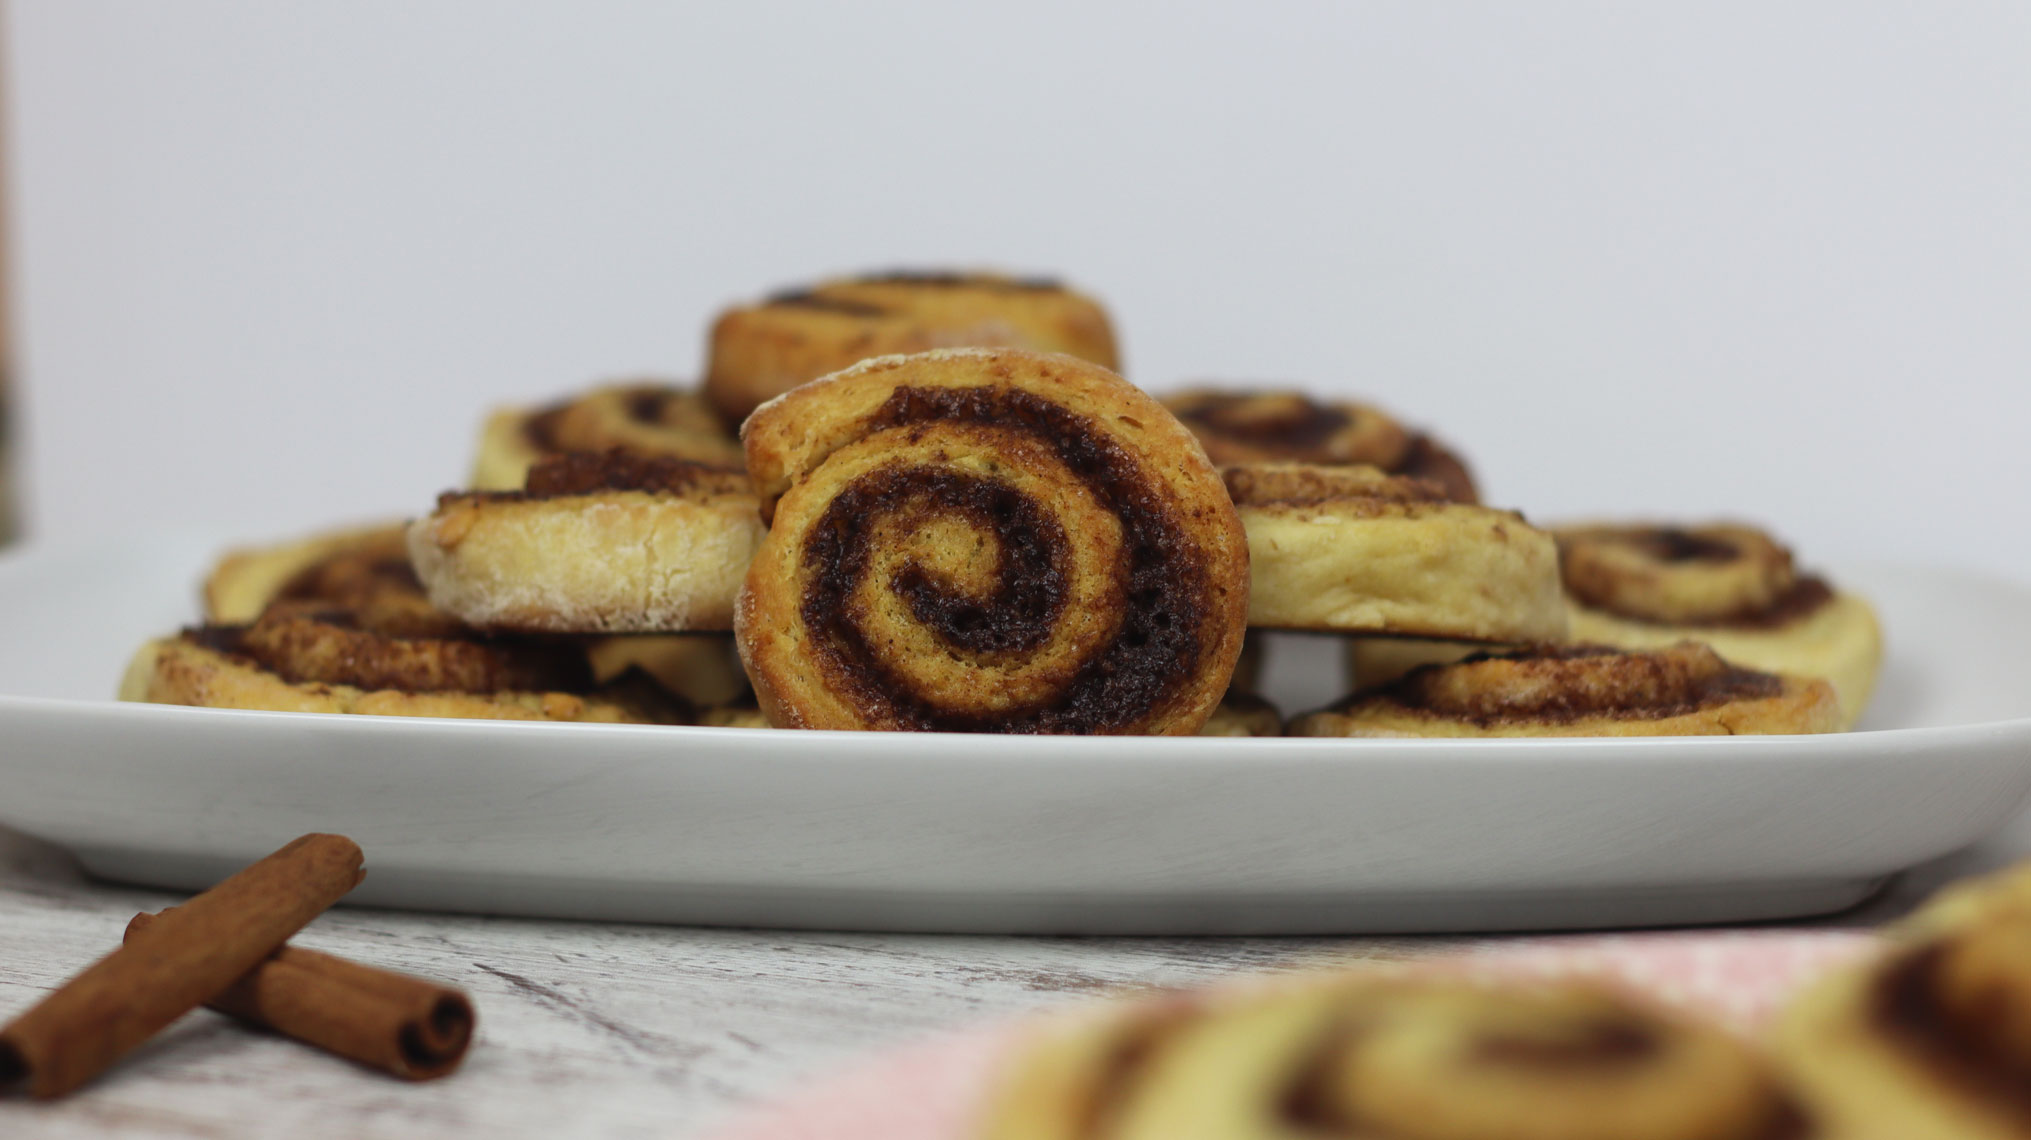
x=1928, y=1037
x=894, y=531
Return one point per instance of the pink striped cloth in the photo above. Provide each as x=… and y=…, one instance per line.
x=930, y=1091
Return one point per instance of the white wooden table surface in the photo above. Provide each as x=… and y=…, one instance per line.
x=590, y=1029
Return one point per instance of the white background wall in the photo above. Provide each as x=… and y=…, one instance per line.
x=1770, y=261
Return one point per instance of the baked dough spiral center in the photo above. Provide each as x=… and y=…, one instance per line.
x=1553, y=1065
x=1015, y=534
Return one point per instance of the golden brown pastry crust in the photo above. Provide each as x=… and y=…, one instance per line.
x=1732, y=586
x=703, y=668
x=1390, y=1057
x=1580, y=690
x=988, y=540
x=1352, y=550
x=760, y=351
x=1932, y=1035
x=598, y=543
x=645, y=418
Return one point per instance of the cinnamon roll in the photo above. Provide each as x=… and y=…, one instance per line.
x=246, y=579
x=761, y=351
x=353, y=633
x=1353, y=550
x=1732, y=586
x=1287, y=426
x=595, y=543
x=703, y=668
x=988, y=540
x=649, y=419
x=1932, y=1037
x=1380, y=1057
x=1583, y=690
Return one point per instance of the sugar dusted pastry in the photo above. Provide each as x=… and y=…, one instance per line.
x=1374, y=1056
x=763, y=350
x=1581, y=690
x=988, y=540
x=595, y=543
x=644, y=418
x=1932, y=1036
x=1731, y=586
x=1352, y=550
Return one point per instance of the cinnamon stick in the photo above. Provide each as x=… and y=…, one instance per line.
x=184, y=959
x=408, y=1026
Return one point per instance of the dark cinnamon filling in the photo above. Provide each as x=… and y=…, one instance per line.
x=645, y=405
x=934, y=279
x=1801, y=601
x=616, y=469
x=820, y=302
x=540, y=429
x=1168, y=596
x=1427, y=460
x=1302, y=428
x=1309, y=1103
x=1649, y=686
x=333, y=647
x=1904, y=1006
x=1670, y=544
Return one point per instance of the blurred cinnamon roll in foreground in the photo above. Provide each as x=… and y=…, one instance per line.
x=988, y=540
x=1932, y=1037
x=1583, y=690
x=760, y=351
x=1375, y=1056
x=645, y=419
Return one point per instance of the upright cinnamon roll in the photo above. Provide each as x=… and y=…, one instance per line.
x=1932, y=1037
x=988, y=540
x=1583, y=690
x=763, y=350
x=1287, y=426
x=647, y=419
x=1352, y=550
x=604, y=542
x=1734, y=587
x=353, y=633
x=1372, y=1057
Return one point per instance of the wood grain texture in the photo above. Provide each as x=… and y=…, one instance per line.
x=607, y=1030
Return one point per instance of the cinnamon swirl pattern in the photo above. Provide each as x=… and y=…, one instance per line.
x=648, y=419
x=1378, y=1057
x=1583, y=690
x=1933, y=1036
x=988, y=540
x=761, y=351
x=1731, y=586
x=1353, y=550
x=246, y=579
x=1287, y=426
x=596, y=543
x=353, y=633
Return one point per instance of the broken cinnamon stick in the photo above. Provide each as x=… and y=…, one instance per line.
x=408, y=1026
x=183, y=960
